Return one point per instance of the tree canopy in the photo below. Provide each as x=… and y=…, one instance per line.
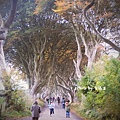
x=59, y=46
x=52, y=42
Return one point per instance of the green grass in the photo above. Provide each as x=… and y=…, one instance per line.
x=10, y=113
x=16, y=114
x=78, y=110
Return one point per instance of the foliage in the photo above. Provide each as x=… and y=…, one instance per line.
x=2, y=106
x=45, y=36
x=17, y=101
x=101, y=86
x=77, y=109
x=19, y=105
x=62, y=6
x=43, y=5
x=5, y=7
x=104, y=15
x=16, y=114
x=11, y=113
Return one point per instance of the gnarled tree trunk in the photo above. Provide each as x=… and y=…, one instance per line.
x=3, y=33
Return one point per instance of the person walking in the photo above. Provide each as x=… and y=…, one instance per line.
x=58, y=99
x=51, y=107
x=67, y=109
x=35, y=109
x=63, y=103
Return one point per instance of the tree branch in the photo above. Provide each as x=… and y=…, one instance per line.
x=12, y=14
x=92, y=26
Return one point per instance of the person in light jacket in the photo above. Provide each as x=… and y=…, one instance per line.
x=51, y=107
x=35, y=109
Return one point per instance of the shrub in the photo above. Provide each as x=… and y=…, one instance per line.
x=101, y=87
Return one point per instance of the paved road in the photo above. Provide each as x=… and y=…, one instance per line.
x=58, y=115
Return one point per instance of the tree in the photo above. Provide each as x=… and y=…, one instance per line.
x=85, y=36
x=97, y=32
x=43, y=5
x=3, y=34
x=45, y=36
x=86, y=41
x=101, y=88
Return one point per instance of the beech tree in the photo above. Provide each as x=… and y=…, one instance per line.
x=40, y=47
x=85, y=31
x=84, y=37
x=113, y=45
x=99, y=15
x=4, y=26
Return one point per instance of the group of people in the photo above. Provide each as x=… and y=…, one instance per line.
x=65, y=105
x=53, y=99
x=36, y=110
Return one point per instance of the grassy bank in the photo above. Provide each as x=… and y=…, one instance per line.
x=76, y=108
x=11, y=113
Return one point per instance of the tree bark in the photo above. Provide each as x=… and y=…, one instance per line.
x=12, y=14
x=3, y=34
x=79, y=53
x=90, y=52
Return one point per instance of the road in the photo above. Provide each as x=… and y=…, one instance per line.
x=58, y=115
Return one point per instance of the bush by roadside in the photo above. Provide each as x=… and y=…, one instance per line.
x=21, y=108
x=77, y=109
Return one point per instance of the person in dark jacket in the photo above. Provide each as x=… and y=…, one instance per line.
x=63, y=103
x=35, y=109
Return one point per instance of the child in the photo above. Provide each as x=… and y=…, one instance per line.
x=67, y=108
x=51, y=107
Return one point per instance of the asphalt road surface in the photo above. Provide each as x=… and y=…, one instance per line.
x=59, y=114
